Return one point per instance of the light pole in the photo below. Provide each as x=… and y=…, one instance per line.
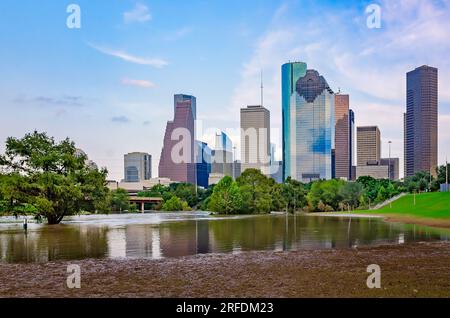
x=446, y=175
x=234, y=162
x=389, y=162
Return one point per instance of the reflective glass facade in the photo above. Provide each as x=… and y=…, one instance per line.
x=290, y=73
x=308, y=127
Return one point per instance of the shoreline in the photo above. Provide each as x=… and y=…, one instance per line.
x=394, y=218
x=408, y=270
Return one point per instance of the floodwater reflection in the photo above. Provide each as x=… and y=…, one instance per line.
x=166, y=235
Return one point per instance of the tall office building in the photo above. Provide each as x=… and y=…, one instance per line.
x=223, y=142
x=393, y=164
x=352, y=143
x=290, y=74
x=177, y=156
x=203, y=163
x=369, y=145
x=421, y=120
x=222, y=155
x=255, y=138
x=308, y=124
x=342, y=137
x=137, y=167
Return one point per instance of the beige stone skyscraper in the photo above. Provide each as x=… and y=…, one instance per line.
x=255, y=138
x=369, y=145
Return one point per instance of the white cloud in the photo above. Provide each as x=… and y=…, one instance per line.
x=139, y=83
x=140, y=13
x=179, y=33
x=155, y=62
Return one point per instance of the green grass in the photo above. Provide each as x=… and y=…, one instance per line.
x=434, y=205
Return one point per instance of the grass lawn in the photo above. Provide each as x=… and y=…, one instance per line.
x=430, y=209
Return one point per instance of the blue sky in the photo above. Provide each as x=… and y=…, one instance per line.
x=109, y=85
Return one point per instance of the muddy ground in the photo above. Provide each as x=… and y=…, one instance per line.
x=412, y=270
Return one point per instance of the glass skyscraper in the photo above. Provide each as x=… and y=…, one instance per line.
x=308, y=124
x=290, y=74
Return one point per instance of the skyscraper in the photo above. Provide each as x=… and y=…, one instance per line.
x=290, y=73
x=342, y=137
x=223, y=142
x=352, y=142
x=177, y=156
x=203, y=163
x=137, y=167
x=255, y=138
x=369, y=145
x=308, y=124
x=421, y=120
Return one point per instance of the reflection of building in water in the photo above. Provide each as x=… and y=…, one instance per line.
x=142, y=241
x=189, y=238
x=116, y=243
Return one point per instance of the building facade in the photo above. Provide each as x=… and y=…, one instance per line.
x=177, y=160
x=375, y=171
x=368, y=145
x=290, y=74
x=137, y=167
x=203, y=163
x=421, y=121
x=308, y=131
x=342, y=137
x=255, y=138
x=393, y=164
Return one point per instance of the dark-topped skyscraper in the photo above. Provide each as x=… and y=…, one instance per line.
x=421, y=121
x=177, y=156
x=308, y=124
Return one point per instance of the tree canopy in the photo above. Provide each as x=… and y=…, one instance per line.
x=52, y=177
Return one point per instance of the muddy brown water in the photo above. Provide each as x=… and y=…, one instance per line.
x=168, y=235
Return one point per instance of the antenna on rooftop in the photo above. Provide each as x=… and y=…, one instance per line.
x=262, y=89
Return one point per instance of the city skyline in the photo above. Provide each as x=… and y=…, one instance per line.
x=117, y=84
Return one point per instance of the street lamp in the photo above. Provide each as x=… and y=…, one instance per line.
x=389, y=162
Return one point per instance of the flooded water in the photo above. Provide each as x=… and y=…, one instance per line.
x=165, y=235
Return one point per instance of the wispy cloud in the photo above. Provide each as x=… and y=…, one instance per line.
x=65, y=100
x=120, y=119
x=155, y=62
x=139, y=83
x=140, y=13
x=179, y=33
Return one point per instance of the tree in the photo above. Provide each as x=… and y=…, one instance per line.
x=226, y=197
x=175, y=204
x=256, y=191
x=327, y=193
x=52, y=176
x=120, y=200
x=351, y=193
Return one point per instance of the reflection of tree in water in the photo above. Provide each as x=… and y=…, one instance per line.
x=58, y=242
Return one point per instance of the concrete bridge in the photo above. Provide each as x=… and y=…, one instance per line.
x=141, y=201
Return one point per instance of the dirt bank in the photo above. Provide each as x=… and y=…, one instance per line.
x=413, y=270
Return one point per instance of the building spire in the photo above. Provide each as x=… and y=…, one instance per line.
x=262, y=89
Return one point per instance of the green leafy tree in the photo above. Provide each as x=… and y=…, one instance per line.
x=175, y=204
x=226, y=197
x=120, y=200
x=256, y=191
x=52, y=176
x=351, y=193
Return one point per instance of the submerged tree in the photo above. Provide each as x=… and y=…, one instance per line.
x=51, y=176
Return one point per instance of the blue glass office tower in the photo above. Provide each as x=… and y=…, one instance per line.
x=308, y=124
x=290, y=74
x=203, y=163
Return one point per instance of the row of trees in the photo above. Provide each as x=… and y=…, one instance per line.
x=51, y=180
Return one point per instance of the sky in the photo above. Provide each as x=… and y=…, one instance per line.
x=109, y=84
